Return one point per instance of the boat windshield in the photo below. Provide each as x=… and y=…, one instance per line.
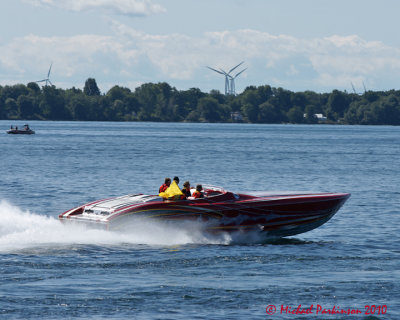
x=210, y=191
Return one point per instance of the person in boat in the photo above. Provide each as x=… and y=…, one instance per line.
x=165, y=186
x=178, y=196
x=173, y=192
x=186, y=189
x=198, y=193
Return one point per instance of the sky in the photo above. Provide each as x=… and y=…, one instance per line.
x=299, y=45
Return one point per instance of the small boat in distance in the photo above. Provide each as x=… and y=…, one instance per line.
x=25, y=130
x=275, y=214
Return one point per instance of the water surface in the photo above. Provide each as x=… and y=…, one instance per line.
x=162, y=272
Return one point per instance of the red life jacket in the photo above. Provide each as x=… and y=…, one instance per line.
x=197, y=194
x=163, y=188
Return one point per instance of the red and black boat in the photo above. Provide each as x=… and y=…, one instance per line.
x=277, y=214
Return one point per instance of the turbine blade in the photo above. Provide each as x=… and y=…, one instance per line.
x=236, y=67
x=239, y=73
x=215, y=70
x=354, y=90
x=224, y=72
x=48, y=73
x=365, y=89
x=49, y=81
x=41, y=80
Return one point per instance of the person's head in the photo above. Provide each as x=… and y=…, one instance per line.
x=199, y=187
x=167, y=181
x=187, y=184
x=176, y=179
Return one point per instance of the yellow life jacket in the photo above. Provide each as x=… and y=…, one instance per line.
x=173, y=192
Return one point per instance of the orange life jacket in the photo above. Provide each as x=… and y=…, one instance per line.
x=163, y=188
x=197, y=194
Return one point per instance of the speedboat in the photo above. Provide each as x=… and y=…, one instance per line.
x=277, y=214
x=25, y=130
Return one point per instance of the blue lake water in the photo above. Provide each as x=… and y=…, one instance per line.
x=51, y=271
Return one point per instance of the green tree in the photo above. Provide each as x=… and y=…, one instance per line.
x=11, y=109
x=34, y=88
x=371, y=96
x=26, y=107
x=2, y=105
x=14, y=91
x=387, y=111
x=350, y=116
x=146, y=94
x=77, y=105
x=250, y=96
x=118, y=93
x=118, y=110
x=250, y=111
x=161, y=102
x=337, y=104
x=209, y=109
x=310, y=112
x=132, y=107
x=91, y=88
x=299, y=99
x=265, y=93
x=281, y=99
x=186, y=102
x=295, y=115
x=193, y=116
x=268, y=113
x=52, y=104
x=216, y=94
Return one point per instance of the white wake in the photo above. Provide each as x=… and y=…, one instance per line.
x=20, y=229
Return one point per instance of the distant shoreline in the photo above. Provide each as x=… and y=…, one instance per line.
x=162, y=103
x=21, y=122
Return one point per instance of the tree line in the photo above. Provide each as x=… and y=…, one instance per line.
x=161, y=102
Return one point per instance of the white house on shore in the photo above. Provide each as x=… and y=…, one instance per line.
x=320, y=117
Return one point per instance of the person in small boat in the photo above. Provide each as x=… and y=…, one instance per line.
x=198, y=193
x=167, y=183
x=186, y=189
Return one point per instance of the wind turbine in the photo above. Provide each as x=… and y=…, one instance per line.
x=229, y=80
x=226, y=79
x=232, y=81
x=47, y=80
x=354, y=90
x=365, y=89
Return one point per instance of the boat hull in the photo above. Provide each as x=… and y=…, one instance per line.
x=276, y=215
x=13, y=131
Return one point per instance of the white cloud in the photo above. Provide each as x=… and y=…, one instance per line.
x=71, y=53
x=131, y=56
x=126, y=7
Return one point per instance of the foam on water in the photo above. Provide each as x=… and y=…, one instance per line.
x=21, y=229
